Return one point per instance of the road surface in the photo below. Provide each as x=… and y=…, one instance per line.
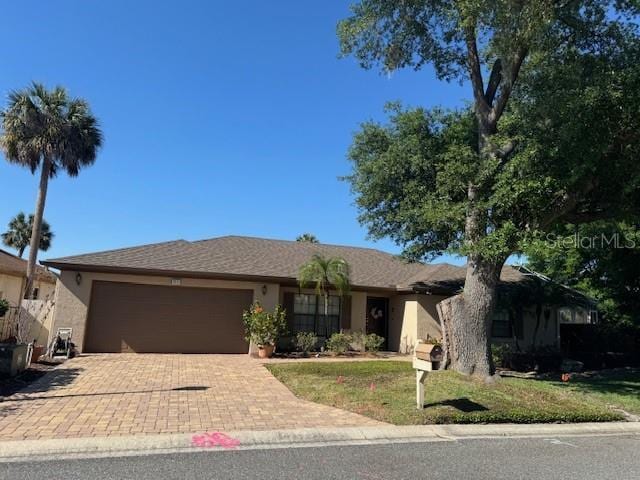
x=566, y=458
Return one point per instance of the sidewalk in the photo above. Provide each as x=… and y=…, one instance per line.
x=30, y=450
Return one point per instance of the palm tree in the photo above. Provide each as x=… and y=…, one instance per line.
x=325, y=273
x=47, y=129
x=18, y=235
x=307, y=237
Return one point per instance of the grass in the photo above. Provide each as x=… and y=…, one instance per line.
x=619, y=388
x=386, y=391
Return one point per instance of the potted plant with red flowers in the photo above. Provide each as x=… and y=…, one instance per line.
x=264, y=328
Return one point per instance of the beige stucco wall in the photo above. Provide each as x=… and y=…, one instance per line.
x=11, y=287
x=46, y=290
x=403, y=323
x=428, y=324
x=40, y=313
x=72, y=300
x=413, y=317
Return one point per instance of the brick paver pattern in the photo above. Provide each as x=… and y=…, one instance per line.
x=128, y=394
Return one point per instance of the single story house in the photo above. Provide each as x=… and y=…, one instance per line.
x=13, y=278
x=188, y=297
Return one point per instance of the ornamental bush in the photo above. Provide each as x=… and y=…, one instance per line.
x=262, y=327
x=373, y=342
x=338, y=343
x=306, y=341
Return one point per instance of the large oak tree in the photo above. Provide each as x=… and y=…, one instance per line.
x=552, y=134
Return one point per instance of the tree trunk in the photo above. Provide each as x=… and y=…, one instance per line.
x=37, y=225
x=466, y=320
x=21, y=251
x=469, y=338
x=446, y=316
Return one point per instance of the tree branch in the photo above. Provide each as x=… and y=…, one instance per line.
x=473, y=60
x=567, y=203
x=507, y=88
x=494, y=82
x=506, y=150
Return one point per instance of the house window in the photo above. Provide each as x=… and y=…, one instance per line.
x=501, y=326
x=304, y=313
x=308, y=315
x=566, y=315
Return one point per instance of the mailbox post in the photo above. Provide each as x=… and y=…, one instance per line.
x=426, y=358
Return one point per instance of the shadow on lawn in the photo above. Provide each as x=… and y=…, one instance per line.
x=626, y=383
x=463, y=404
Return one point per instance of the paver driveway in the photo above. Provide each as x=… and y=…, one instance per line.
x=124, y=394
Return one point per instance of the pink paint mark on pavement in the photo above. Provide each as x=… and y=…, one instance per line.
x=214, y=439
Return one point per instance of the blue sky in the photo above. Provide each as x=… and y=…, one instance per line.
x=219, y=118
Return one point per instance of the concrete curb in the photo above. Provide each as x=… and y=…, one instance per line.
x=14, y=451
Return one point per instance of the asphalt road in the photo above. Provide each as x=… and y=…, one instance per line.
x=582, y=458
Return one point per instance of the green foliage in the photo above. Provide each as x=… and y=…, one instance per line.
x=18, y=234
x=414, y=33
x=339, y=343
x=262, y=327
x=358, y=340
x=500, y=353
x=307, y=237
x=4, y=307
x=562, y=140
x=306, y=341
x=373, y=342
x=410, y=174
x=600, y=259
x=39, y=122
x=325, y=273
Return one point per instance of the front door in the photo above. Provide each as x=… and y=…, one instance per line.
x=377, y=317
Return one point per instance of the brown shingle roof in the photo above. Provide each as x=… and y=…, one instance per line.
x=259, y=257
x=247, y=256
x=13, y=265
x=447, y=277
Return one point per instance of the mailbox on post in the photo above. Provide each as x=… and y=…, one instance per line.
x=426, y=358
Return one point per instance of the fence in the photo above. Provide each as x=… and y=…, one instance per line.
x=31, y=321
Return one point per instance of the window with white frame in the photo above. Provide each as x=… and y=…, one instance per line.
x=309, y=314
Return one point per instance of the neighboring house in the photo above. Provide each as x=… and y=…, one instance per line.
x=188, y=297
x=13, y=277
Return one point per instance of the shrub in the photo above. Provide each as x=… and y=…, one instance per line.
x=4, y=307
x=540, y=361
x=262, y=327
x=338, y=343
x=500, y=354
x=306, y=341
x=373, y=342
x=358, y=341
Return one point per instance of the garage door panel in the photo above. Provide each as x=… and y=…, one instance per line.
x=125, y=317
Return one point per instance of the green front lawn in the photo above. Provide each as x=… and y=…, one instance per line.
x=386, y=391
x=619, y=388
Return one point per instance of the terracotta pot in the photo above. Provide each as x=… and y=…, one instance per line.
x=265, y=351
x=38, y=350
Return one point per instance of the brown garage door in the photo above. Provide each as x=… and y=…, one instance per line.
x=127, y=317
